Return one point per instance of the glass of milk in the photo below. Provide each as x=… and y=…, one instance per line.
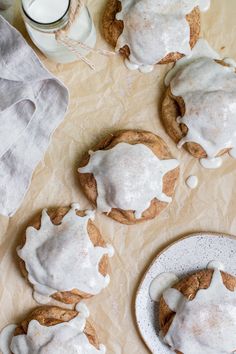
x=44, y=17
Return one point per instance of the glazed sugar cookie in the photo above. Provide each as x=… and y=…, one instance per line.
x=52, y=330
x=64, y=257
x=199, y=105
x=198, y=314
x=147, y=32
x=130, y=176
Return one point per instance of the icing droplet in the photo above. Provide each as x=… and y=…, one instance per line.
x=83, y=309
x=131, y=66
x=6, y=336
x=215, y=265
x=173, y=298
x=102, y=348
x=162, y=282
x=75, y=206
x=107, y=280
x=212, y=163
x=41, y=299
x=110, y=250
x=146, y=69
x=192, y=182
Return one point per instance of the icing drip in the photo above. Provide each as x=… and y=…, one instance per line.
x=192, y=182
x=209, y=91
x=155, y=28
x=50, y=270
x=128, y=177
x=207, y=323
x=162, y=282
x=67, y=337
x=215, y=265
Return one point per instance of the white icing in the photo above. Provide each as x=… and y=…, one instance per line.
x=192, y=182
x=155, y=28
x=6, y=337
x=207, y=323
x=215, y=265
x=162, y=282
x=66, y=337
x=208, y=90
x=211, y=163
x=128, y=177
x=62, y=257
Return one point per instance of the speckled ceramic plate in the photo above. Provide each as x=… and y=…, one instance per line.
x=182, y=257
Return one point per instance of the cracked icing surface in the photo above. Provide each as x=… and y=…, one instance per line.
x=205, y=324
x=128, y=177
x=50, y=270
x=66, y=337
x=155, y=28
x=209, y=93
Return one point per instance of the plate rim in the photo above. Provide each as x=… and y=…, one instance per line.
x=191, y=235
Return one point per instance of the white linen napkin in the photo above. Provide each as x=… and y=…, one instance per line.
x=32, y=104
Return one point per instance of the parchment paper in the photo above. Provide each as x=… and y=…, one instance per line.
x=113, y=98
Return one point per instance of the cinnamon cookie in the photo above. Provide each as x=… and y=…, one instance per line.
x=198, y=313
x=147, y=32
x=52, y=330
x=199, y=105
x=130, y=175
x=64, y=256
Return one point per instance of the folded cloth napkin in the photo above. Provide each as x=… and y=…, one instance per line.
x=32, y=104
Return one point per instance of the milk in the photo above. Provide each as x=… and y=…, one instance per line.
x=44, y=11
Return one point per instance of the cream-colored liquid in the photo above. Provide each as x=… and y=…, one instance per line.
x=209, y=93
x=67, y=337
x=44, y=11
x=76, y=267
x=128, y=177
x=192, y=182
x=155, y=28
x=207, y=323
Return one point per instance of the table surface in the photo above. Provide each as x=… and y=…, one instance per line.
x=103, y=101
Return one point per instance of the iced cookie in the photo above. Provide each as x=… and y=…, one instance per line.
x=199, y=106
x=64, y=256
x=198, y=313
x=52, y=330
x=130, y=175
x=147, y=32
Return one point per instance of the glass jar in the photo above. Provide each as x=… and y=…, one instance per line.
x=43, y=18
